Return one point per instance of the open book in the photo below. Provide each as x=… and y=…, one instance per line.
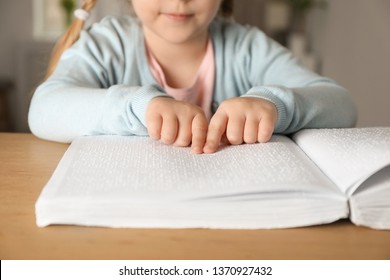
x=315, y=177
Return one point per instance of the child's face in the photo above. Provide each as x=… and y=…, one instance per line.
x=176, y=21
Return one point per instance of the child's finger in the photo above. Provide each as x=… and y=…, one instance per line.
x=266, y=128
x=154, y=124
x=235, y=130
x=199, y=133
x=184, y=134
x=217, y=128
x=251, y=130
x=169, y=129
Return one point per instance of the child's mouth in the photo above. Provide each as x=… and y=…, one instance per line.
x=178, y=17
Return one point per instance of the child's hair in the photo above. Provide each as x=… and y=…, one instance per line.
x=72, y=34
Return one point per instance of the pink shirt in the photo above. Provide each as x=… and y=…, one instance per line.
x=201, y=91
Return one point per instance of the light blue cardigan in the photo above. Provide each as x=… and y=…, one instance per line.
x=103, y=84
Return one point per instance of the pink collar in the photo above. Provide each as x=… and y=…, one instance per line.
x=201, y=91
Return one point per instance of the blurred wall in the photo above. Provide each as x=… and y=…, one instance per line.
x=352, y=38
x=15, y=29
x=15, y=26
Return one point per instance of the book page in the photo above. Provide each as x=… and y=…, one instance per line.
x=347, y=156
x=370, y=204
x=115, y=166
x=135, y=181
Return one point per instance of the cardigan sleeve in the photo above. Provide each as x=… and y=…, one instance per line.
x=87, y=95
x=303, y=98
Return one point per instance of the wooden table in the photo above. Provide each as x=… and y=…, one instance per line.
x=26, y=164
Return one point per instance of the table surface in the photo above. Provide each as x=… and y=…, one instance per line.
x=26, y=164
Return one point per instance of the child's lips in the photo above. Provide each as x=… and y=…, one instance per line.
x=178, y=17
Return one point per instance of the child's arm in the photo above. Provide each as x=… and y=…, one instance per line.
x=96, y=87
x=303, y=98
x=256, y=67
x=64, y=112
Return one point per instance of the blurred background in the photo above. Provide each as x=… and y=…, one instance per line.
x=347, y=40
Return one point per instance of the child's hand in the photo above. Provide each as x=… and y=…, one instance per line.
x=177, y=123
x=243, y=120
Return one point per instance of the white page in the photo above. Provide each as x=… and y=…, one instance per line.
x=370, y=204
x=105, y=176
x=110, y=166
x=347, y=156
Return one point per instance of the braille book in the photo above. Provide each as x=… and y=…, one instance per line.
x=315, y=177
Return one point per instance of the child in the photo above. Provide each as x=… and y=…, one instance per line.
x=182, y=72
